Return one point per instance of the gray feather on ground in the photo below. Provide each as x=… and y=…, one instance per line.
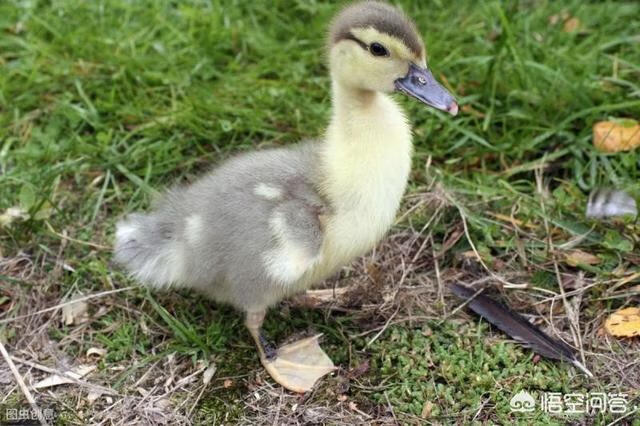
x=607, y=202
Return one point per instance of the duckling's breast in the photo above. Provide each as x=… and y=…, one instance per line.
x=366, y=164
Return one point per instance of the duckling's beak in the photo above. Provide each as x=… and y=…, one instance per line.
x=420, y=83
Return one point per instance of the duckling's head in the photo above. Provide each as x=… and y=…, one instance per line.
x=375, y=47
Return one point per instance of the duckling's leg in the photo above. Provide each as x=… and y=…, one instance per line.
x=296, y=366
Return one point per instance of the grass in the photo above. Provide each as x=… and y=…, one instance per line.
x=104, y=103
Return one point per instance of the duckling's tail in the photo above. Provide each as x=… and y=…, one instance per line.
x=148, y=247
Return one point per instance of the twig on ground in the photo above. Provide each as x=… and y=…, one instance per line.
x=391, y=408
x=619, y=419
x=60, y=305
x=462, y=305
x=23, y=386
x=438, y=277
x=374, y=338
x=73, y=240
x=504, y=282
x=77, y=381
x=572, y=314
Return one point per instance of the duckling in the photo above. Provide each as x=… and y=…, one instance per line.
x=268, y=224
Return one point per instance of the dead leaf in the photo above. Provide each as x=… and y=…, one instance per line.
x=624, y=323
x=616, y=136
x=16, y=29
x=579, y=257
x=75, y=312
x=13, y=214
x=208, y=374
x=469, y=254
x=162, y=403
x=571, y=25
x=97, y=352
x=426, y=409
x=93, y=395
x=559, y=17
x=227, y=383
x=56, y=379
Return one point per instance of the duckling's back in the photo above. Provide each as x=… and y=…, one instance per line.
x=221, y=234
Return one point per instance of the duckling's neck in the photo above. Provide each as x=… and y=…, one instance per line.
x=366, y=162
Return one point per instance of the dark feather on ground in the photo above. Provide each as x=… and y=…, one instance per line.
x=516, y=326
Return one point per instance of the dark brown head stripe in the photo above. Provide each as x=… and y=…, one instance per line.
x=381, y=16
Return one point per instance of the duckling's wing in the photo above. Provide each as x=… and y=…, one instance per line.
x=279, y=211
x=296, y=227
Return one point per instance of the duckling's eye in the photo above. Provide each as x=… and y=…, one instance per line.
x=377, y=49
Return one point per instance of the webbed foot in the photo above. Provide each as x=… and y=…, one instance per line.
x=296, y=366
x=299, y=365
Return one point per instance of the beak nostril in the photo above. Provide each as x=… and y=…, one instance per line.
x=420, y=84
